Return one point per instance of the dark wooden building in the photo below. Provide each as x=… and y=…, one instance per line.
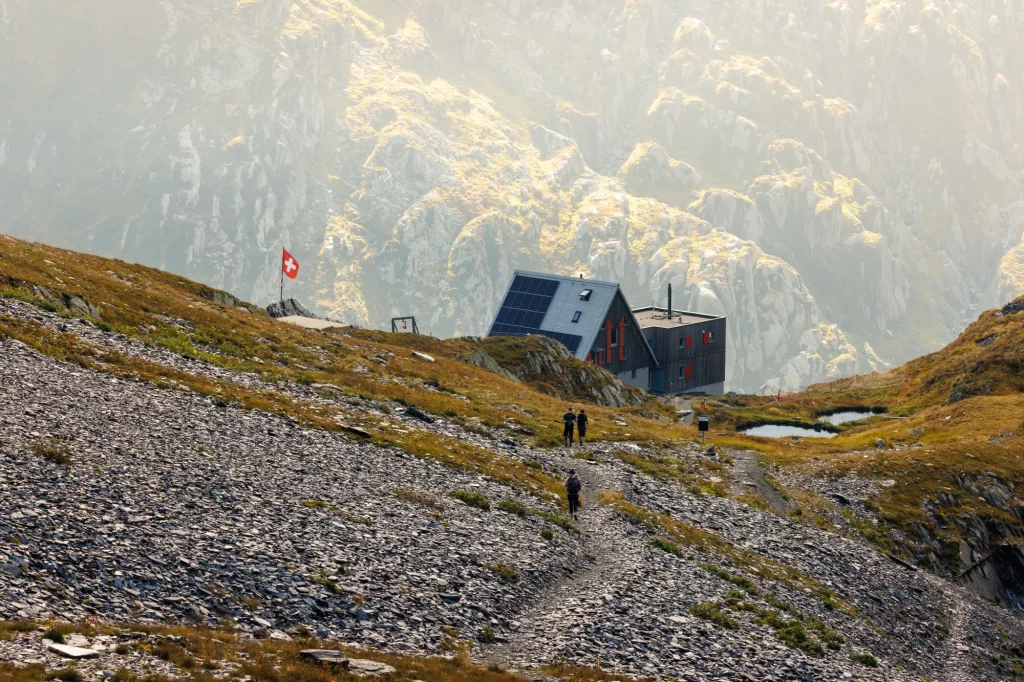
x=690, y=349
x=648, y=348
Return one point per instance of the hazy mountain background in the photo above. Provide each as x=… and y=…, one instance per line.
x=843, y=179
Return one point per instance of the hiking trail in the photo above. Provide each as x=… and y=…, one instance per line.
x=609, y=559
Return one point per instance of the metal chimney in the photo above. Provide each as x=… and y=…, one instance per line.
x=670, y=300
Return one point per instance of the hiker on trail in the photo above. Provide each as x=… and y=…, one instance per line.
x=569, y=419
x=581, y=424
x=573, y=486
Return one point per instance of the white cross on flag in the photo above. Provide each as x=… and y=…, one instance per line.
x=289, y=265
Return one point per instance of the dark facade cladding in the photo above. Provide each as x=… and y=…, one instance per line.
x=691, y=355
x=646, y=348
x=622, y=336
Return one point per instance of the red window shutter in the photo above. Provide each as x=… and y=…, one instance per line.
x=608, y=340
x=707, y=337
x=689, y=342
x=622, y=339
x=689, y=371
x=590, y=357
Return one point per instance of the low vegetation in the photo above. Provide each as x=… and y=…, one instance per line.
x=671, y=535
x=477, y=500
x=415, y=497
x=504, y=572
x=52, y=450
x=865, y=659
x=933, y=429
x=713, y=613
x=346, y=368
x=197, y=653
x=514, y=507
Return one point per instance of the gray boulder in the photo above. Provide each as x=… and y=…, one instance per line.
x=289, y=308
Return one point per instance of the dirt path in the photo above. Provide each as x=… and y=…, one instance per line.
x=607, y=559
x=958, y=647
x=748, y=477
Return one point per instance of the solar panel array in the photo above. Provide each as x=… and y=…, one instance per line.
x=524, y=309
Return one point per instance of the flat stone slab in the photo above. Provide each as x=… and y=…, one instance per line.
x=325, y=656
x=77, y=640
x=73, y=652
x=364, y=668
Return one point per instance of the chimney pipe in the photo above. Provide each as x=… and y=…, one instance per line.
x=670, y=300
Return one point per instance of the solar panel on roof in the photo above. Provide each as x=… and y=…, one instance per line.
x=524, y=308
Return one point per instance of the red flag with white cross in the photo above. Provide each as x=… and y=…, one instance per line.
x=289, y=265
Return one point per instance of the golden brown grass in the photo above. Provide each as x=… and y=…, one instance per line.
x=190, y=319
x=199, y=650
x=965, y=401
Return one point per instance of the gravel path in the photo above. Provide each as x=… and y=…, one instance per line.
x=538, y=628
x=957, y=667
x=748, y=476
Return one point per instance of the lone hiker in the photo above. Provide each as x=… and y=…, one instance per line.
x=573, y=486
x=581, y=424
x=569, y=419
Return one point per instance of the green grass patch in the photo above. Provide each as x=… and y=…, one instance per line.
x=713, y=613
x=476, y=500
x=504, y=572
x=52, y=450
x=514, y=507
x=866, y=660
x=422, y=499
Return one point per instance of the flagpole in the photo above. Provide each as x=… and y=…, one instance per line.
x=282, y=275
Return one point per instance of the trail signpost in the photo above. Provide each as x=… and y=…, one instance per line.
x=702, y=425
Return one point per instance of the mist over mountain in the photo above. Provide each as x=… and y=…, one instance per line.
x=843, y=180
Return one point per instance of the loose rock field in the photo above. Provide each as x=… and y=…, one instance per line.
x=132, y=504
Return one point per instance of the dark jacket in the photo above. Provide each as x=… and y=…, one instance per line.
x=574, y=485
x=581, y=421
x=569, y=418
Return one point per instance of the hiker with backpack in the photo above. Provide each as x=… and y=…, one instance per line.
x=581, y=424
x=573, y=487
x=569, y=419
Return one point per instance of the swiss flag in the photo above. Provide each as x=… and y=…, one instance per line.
x=289, y=265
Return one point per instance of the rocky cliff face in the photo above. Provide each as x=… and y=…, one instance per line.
x=842, y=179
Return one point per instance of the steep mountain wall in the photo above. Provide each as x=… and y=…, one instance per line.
x=842, y=179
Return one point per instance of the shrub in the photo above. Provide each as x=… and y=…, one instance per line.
x=55, y=635
x=832, y=639
x=53, y=450
x=486, y=635
x=865, y=659
x=361, y=520
x=505, y=572
x=471, y=499
x=793, y=635
x=547, y=534
x=329, y=584
x=562, y=522
x=416, y=497
x=513, y=507
x=739, y=581
x=712, y=612
x=66, y=675
x=666, y=546
x=173, y=653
